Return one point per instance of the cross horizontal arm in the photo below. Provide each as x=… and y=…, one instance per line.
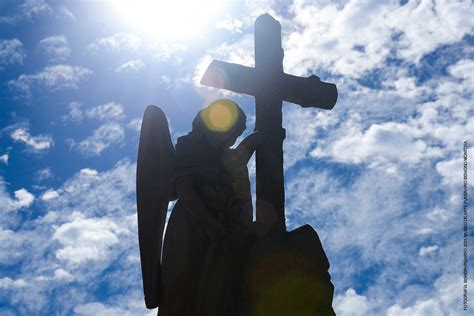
x=307, y=92
x=231, y=77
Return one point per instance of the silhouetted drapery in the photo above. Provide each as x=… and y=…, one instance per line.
x=198, y=272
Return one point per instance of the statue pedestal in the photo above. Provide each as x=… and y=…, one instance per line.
x=287, y=274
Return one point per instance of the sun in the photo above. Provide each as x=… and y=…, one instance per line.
x=169, y=19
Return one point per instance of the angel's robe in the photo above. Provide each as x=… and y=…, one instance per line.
x=199, y=275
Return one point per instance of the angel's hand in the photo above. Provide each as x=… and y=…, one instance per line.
x=241, y=155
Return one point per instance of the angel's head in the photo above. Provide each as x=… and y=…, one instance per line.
x=221, y=123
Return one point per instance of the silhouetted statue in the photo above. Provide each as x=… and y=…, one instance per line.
x=216, y=261
x=211, y=222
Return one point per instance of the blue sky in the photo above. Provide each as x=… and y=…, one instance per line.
x=379, y=176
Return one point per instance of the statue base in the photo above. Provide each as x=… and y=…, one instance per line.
x=287, y=274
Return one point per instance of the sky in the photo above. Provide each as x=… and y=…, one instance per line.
x=380, y=177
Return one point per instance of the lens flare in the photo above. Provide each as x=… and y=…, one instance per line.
x=220, y=115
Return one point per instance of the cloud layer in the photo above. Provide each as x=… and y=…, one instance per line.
x=81, y=234
x=379, y=177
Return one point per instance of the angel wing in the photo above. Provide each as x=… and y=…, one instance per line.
x=154, y=191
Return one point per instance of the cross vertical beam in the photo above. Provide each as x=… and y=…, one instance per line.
x=270, y=202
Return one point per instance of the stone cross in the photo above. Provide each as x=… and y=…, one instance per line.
x=270, y=86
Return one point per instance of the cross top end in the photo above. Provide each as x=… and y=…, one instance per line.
x=266, y=20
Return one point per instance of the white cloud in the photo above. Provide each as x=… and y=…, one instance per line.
x=422, y=308
x=439, y=215
x=110, y=111
x=410, y=131
x=106, y=112
x=4, y=159
x=380, y=143
x=43, y=174
x=97, y=194
x=11, y=246
x=349, y=39
x=11, y=53
x=427, y=24
x=131, y=66
x=7, y=282
x=234, y=25
x=427, y=250
x=352, y=304
x=356, y=37
x=85, y=239
x=35, y=143
x=62, y=274
x=58, y=77
x=403, y=86
x=135, y=124
x=55, y=47
x=103, y=137
x=22, y=198
x=88, y=172
x=75, y=113
x=452, y=171
x=116, y=42
x=463, y=69
x=445, y=300
x=460, y=83
x=49, y=195
x=303, y=129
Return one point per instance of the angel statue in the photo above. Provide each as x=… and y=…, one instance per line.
x=211, y=223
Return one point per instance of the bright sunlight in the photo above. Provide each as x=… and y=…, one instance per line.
x=175, y=19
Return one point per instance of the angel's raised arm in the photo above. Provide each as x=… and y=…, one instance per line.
x=247, y=147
